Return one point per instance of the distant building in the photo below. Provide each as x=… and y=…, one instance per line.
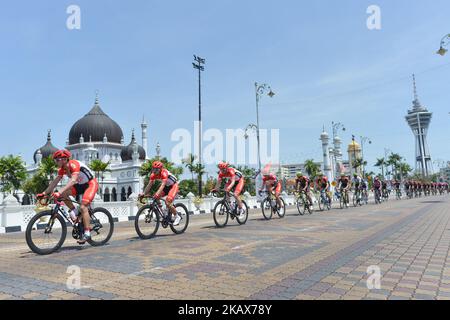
x=444, y=174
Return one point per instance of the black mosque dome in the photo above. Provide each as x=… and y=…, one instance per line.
x=94, y=125
x=127, y=151
x=47, y=150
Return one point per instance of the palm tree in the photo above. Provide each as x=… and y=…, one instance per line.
x=394, y=161
x=358, y=163
x=12, y=174
x=311, y=168
x=405, y=169
x=189, y=163
x=199, y=169
x=48, y=168
x=381, y=162
x=99, y=167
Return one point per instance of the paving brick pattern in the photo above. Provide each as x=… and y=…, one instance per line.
x=325, y=255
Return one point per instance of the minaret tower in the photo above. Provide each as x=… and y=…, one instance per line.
x=324, y=137
x=144, y=137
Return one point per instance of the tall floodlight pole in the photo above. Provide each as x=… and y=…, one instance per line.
x=199, y=66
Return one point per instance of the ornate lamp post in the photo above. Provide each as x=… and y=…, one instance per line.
x=260, y=89
x=364, y=140
x=444, y=42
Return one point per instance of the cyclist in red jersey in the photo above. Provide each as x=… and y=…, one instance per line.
x=82, y=182
x=270, y=182
x=235, y=180
x=324, y=185
x=302, y=183
x=169, y=188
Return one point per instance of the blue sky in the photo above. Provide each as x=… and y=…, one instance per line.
x=318, y=56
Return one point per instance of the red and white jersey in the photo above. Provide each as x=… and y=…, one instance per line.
x=272, y=179
x=231, y=174
x=84, y=173
x=167, y=178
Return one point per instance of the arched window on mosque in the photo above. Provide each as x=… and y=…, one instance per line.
x=106, y=195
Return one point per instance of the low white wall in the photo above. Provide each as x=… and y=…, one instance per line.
x=15, y=217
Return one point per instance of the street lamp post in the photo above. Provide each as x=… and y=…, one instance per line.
x=444, y=42
x=199, y=66
x=260, y=89
x=363, y=140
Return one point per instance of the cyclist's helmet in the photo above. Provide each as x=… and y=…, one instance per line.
x=62, y=154
x=299, y=174
x=223, y=165
x=157, y=165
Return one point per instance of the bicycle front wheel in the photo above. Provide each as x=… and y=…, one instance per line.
x=321, y=203
x=242, y=219
x=355, y=199
x=102, y=227
x=220, y=214
x=281, y=211
x=266, y=208
x=301, y=206
x=146, y=222
x=182, y=211
x=44, y=234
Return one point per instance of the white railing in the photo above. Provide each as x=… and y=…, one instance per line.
x=15, y=217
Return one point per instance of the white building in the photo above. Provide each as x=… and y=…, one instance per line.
x=289, y=171
x=97, y=136
x=444, y=174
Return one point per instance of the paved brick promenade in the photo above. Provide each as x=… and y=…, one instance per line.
x=322, y=256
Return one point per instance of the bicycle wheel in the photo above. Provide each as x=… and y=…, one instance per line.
x=242, y=219
x=301, y=206
x=266, y=209
x=308, y=206
x=355, y=199
x=281, y=211
x=182, y=211
x=341, y=201
x=321, y=203
x=146, y=222
x=45, y=235
x=102, y=227
x=220, y=214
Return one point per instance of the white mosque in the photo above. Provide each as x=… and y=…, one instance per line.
x=97, y=136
